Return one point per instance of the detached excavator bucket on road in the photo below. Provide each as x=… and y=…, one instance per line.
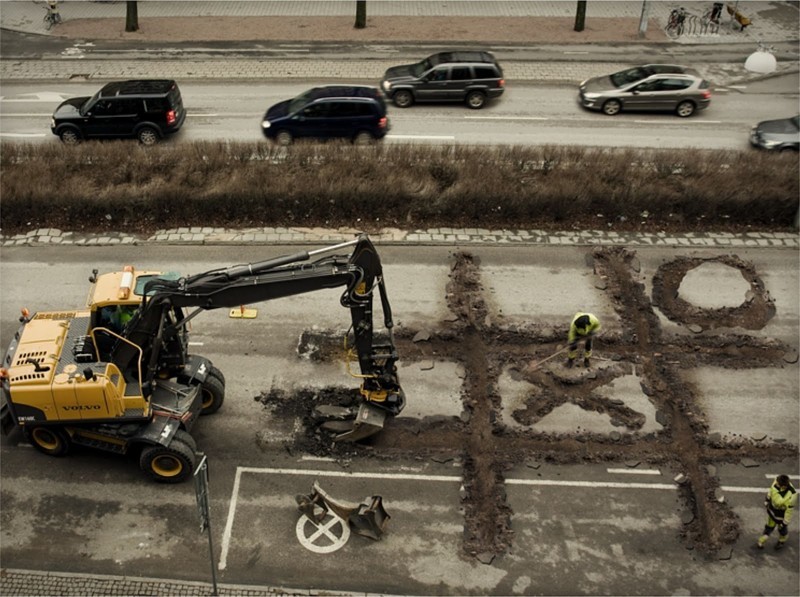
x=368, y=518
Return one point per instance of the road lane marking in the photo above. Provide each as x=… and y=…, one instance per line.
x=446, y=137
x=46, y=96
x=507, y=117
x=630, y=471
x=673, y=122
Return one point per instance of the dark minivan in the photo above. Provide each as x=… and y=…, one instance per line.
x=469, y=76
x=148, y=109
x=355, y=112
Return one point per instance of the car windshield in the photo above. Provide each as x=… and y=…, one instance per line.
x=631, y=75
x=89, y=103
x=301, y=100
x=421, y=67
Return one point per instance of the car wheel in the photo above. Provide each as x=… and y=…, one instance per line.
x=788, y=149
x=403, y=99
x=612, y=107
x=284, y=138
x=147, y=136
x=476, y=100
x=363, y=138
x=685, y=109
x=48, y=440
x=70, y=137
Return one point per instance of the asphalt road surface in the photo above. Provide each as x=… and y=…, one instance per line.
x=526, y=114
x=610, y=521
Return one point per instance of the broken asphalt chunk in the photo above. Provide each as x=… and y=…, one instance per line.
x=421, y=336
x=485, y=557
x=748, y=463
x=681, y=479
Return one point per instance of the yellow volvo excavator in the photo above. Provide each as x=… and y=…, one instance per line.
x=117, y=375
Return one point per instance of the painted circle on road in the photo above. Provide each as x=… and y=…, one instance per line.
x=325, y=537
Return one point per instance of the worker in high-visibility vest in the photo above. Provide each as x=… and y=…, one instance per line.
x=781, y=500
x=584, y=326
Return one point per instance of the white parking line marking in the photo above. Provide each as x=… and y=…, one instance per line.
x=773, y=475
x=226, y=536
x=22, y=134
x=606, y=484
x=27, y=115
x=630, y=471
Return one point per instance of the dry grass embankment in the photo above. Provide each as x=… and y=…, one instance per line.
x=122, y=186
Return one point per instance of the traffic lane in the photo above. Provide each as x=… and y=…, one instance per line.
x=224, y=111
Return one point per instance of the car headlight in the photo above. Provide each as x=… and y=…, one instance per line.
x=265, y=124
x=769, y=144
x=52, y=123
x=387, y=85
x=591, y=96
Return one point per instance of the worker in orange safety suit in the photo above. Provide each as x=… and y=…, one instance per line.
x=780, y=502
x=583, y=326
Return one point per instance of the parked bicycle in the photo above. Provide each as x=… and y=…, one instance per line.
x=675, y=22
x=52, y=16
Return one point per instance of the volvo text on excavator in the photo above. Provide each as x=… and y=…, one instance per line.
x=117, y=375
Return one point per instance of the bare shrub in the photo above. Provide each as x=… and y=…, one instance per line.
x=219, y=183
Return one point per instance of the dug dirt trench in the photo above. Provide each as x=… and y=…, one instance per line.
x=488, y=448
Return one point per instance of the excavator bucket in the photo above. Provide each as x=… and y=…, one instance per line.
x=371, y=519
x=351, y=424
x=368, y=421
x=368, y=519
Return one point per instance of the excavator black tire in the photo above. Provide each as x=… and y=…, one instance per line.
x=217, y=373
x=168, y=464
x=186, y=438
x=213, y=390
x=52, y=441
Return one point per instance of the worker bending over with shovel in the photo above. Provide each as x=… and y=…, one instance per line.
x=583, y=326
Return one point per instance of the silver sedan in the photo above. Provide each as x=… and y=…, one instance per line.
x=682, y=93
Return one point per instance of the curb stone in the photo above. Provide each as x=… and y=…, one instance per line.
x=430, y=236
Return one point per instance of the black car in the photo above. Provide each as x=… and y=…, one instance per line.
x=777, y=135
x=471, y=77
x=147, y=109
x=355, y=112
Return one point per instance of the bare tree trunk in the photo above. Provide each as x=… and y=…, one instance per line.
x=361, y=14
x=580, y=15
x=132, y=16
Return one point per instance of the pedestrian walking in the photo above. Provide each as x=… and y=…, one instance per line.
x=583, y=327
x=780, y=502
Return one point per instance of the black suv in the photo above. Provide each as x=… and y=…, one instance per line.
x=465, y=76
x=355, y=112
x=145, y=109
